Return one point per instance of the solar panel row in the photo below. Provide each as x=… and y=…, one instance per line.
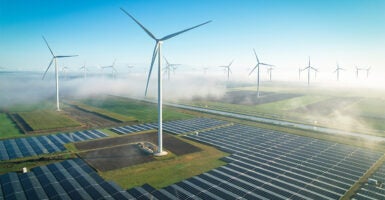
x=32, y=146
x=372, y=190
x=70, y=179
x=175, y=127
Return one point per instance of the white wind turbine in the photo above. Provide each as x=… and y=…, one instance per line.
x=269, y=72
x=258, y=66
x=169, y=67
x=54, y=57
x=113, y=70
x=157, y=53
x=338, y=69
x=84, y=68
x=227, y=68
x=308, y=68
x=64, y=70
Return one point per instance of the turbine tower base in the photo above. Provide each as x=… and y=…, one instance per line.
x=158, y=154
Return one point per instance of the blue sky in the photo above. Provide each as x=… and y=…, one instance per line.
x=283, y=32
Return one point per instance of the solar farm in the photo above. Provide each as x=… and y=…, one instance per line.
x=262, y=164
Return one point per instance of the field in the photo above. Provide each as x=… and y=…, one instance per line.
x=47, y=119
x=350, y=110
x=7, y=127
x=143, y=112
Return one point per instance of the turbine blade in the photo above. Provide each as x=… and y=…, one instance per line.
x=180, y=32
x=48, y=45
x=256, y=55
x=168, y=64
x=152, y=64
x=66, y=56
x=266, y=64
x=253, y=69
x=144, y=28
x=230, y=63
x=47, y=68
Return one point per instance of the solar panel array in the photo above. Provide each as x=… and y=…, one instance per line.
x=371, y=190
x=266, y=164
x=175, y=127
x=70, y=179
x=32, y=146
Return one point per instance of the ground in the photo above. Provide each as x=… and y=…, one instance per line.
x=119, y=152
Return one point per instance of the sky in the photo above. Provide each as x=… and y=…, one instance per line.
x=282, y=32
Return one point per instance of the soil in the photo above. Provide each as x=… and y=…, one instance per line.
x=118, y=152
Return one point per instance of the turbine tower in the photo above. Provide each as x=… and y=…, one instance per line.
x=169, y=67
x=258, y=66
x=54, y=57
x=227, y=67
x=299, y=73
x=157, y=53
x=308, y=68
x=360, y=69
x=338, y=71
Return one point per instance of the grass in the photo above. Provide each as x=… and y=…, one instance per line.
x=8, y=129
x=105, y=113
x=47, y=119
x=144, y=112
x=168, y=170
x=16, y=165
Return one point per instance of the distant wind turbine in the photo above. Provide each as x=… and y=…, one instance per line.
x=360, y=69
x=113, y=70
x=169, y=67
x=299, y=73
x=157, y=53
x=64, y=70
x=227, y=68
x=308, y=68
x=205, y=70
x=269, y=71
x=54, y=57
x=338, y=69
x=84, y=71
x=367, y=71
x=258, y=66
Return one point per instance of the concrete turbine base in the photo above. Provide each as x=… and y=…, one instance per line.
x=158, y=154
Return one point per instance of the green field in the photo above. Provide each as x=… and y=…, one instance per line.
x=47, y=119
x=144, y=112
x=103, y=112
x=346, y=109
x=7, y=127
x=169, y=169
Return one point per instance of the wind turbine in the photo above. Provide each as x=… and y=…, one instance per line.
x=338, y=71
x=258, y=66
x=54, y=57
x=359, y=69
x=84, y=71
x=227, y=67
x=64, y=70
x=157, y=53
x=308, y=68
x=367, y=71
x=205, y=70
x=113, y=70
x=169, y=67
x=269, y=71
